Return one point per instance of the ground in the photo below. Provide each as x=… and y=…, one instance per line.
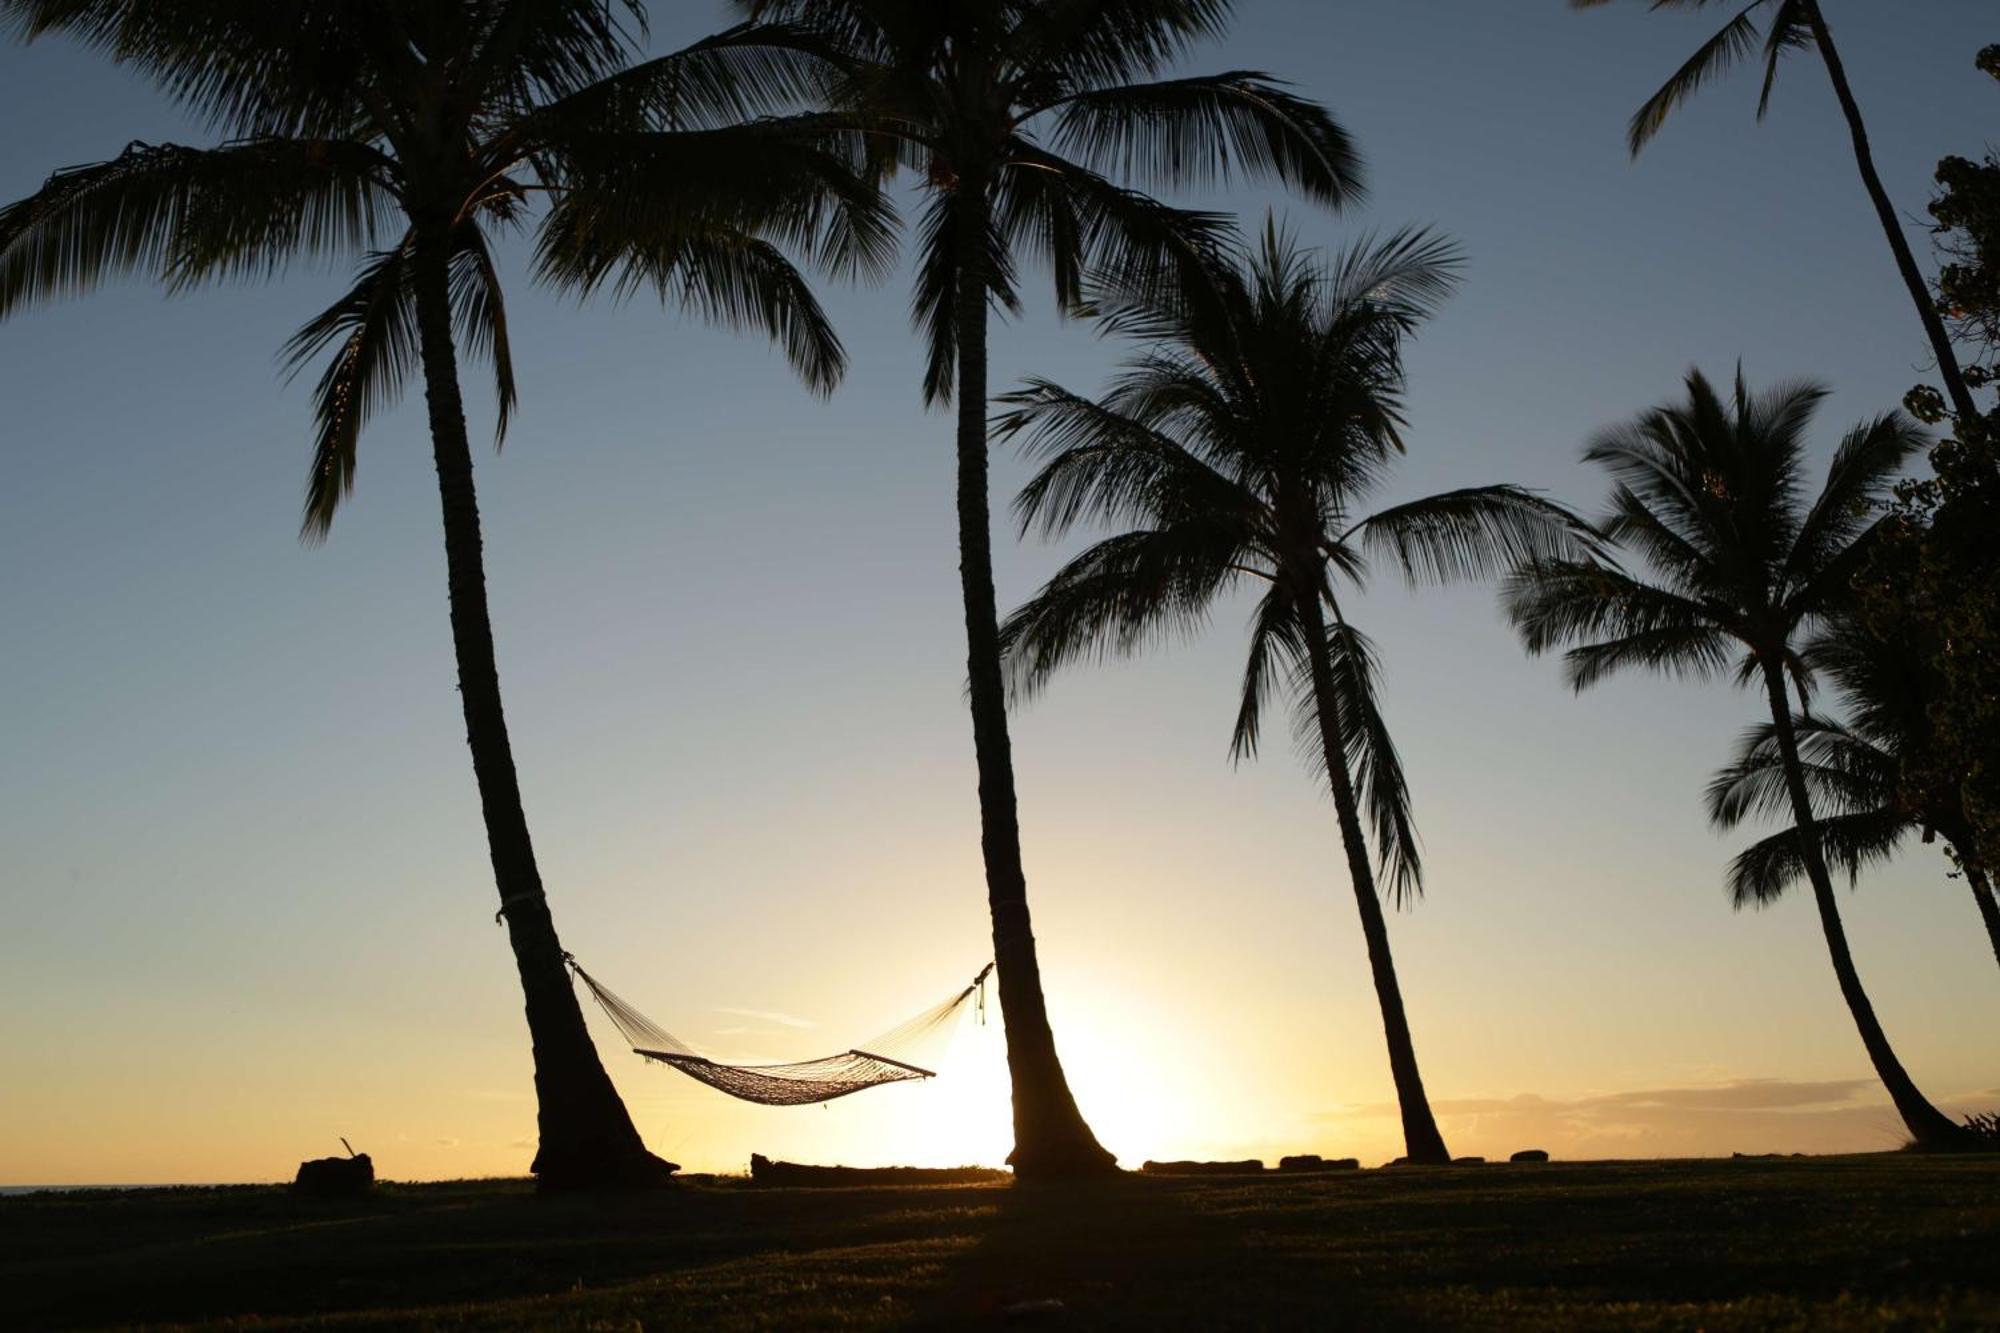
x=1890, y=1241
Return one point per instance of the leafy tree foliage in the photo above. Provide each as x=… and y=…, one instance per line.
x=1939, y=569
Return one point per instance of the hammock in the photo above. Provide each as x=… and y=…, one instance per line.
x=889, y=1058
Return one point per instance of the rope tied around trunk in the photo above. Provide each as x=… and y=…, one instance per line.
x=508, y=903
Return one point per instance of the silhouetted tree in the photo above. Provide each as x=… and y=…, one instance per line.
x=1940, y=567
x=407, y=133
x=1009, y=113
x=1264, y=409
x=1781, y=27
x=1966, y=214
x=1860, y=773
x=1709, y=494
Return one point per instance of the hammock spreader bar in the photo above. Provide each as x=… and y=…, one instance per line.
x=807, y=1081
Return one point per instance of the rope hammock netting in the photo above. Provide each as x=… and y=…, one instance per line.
x=906, y=1052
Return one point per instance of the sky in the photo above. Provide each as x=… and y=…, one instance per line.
x=245, y=906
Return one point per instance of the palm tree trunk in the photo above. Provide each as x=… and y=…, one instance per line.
x=1930, y=1127
x=1422, y=1143
x=1050, y=1136
x=587, y=1138
x=1899, y=244
x=1989, y=909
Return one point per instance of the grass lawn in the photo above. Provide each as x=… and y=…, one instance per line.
x=1823, y=1244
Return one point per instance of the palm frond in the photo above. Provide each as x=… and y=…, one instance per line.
x=1472, y=534
x=1615, y=620
x=1400, y=279
x=730, y=278
x=1210, y=131
x=1737, y=40
x=479, y=314
x=790, y=180
x=1105, y=466
x=1117, y=597
x=748, y=71
x=181, y=214
x=1276, y=640
x=249, y=67
x=933, y=305
x=372, y=333
x=1761, y=874
x=1098, y=43
x=1858, y=486
x=1374, y=766
x=1105, y=245
x=1843, y=772
x=1791, y=30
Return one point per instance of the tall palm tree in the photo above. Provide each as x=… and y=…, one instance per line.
x=407, y=134
x=1010, y=113
x=1857, y=772
x=1799, y=25
x=1710, y=494
x=1241, y=443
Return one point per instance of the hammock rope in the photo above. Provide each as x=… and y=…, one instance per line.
x=891, y=1057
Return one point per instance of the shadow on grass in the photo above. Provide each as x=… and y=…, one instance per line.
x=80, y=1260
x=1729, y=1244
x=1128, y=1251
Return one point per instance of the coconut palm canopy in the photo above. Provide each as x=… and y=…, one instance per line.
x=1245, y=443
x=353, y=126
x=1059, y=115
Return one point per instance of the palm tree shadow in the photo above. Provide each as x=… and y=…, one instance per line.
x=1118, y=1252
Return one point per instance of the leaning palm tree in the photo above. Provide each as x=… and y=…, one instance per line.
x=1242, y=443
x=1858, y=772
x=1710, y=494
x=1010, y=113
x=407, y=135
x=1799, y=25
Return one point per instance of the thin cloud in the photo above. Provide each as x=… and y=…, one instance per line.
x=1752, y=1094
x=768, y=1016
x=1746, y=1115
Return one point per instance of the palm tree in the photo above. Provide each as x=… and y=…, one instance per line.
x=408, y=134
x=1709, y=493
x=1799, y=25
x=1010, y=112
x=1857, y=771
x=1241, y=443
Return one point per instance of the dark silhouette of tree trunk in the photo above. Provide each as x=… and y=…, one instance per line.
x=1050, y=1136
x=1422, y=1142
x=587, y=1138
x=1982, y=893
x=1929, y=1126
x=1906, y=262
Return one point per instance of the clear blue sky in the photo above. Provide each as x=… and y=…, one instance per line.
x=243, y=879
